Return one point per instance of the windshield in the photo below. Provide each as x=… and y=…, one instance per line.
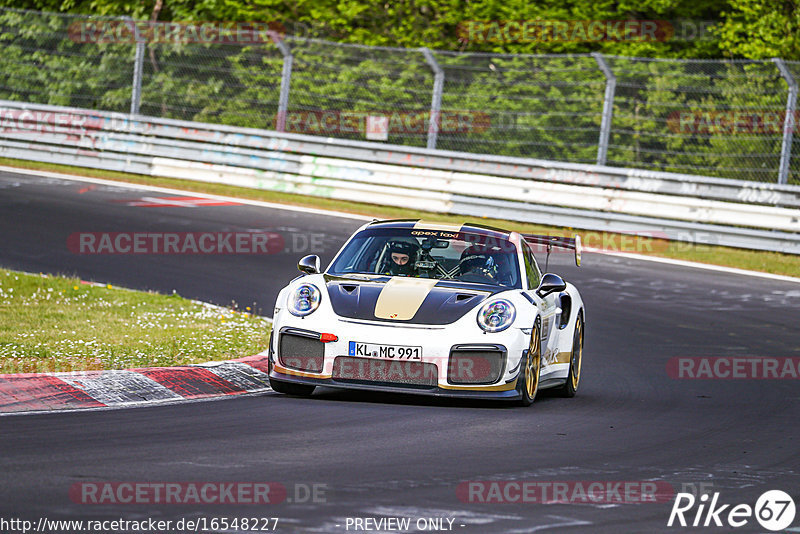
x=459, y=256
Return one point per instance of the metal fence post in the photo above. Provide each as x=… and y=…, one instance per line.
x=138, y=65
x=436, y=100
x=788, y=121
x=286, y=80
x=608, y=108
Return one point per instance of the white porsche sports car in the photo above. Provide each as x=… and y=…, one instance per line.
x=430, y=308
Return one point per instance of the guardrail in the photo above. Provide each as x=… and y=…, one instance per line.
x=674, y=206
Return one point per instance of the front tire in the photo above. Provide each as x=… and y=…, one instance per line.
x=288, y=388
x=570, y=387
x=532, y=366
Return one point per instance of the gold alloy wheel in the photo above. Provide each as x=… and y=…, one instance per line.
x=577, y=354
x=533, y=364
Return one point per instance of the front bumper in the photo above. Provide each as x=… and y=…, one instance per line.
x=437, y=347
x=485, y=393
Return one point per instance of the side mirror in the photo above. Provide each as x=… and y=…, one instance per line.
x=550, y=283
x=309, y=264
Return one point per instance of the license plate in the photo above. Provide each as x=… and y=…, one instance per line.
x=391, y=352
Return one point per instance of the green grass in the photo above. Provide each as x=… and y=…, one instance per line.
x=53, y=323
x=770, y=262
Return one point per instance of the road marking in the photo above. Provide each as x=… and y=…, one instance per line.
x=239, y=374
x=119, y=387
x=353, y=216
x=695, y=265
x=562, y=522
x=141, y=187
x=177, y=202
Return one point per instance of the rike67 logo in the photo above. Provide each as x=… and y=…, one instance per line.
x=774, y=511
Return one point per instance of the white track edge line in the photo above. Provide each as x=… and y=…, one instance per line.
x=333, y=213
x=142, y=404
x=183, y=192
x=696, y=265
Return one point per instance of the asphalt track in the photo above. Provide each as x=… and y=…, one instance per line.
x=402, y=456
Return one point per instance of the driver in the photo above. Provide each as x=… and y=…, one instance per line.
x=402, y=258
x=479, y=261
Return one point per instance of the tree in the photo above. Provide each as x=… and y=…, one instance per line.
x=759, y=29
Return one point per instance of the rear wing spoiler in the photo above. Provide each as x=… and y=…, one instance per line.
x=550, y=241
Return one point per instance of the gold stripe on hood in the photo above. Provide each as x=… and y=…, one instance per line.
x=400, y=298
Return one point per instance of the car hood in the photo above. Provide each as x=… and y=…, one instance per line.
x=404, y=299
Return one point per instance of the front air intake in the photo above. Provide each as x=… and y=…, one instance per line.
x=478, y=364
x=301, y=352
x=405, y=373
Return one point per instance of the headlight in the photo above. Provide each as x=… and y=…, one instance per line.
x=304, y=300
x=496, y=316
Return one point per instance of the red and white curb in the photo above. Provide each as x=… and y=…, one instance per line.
x=55, y=392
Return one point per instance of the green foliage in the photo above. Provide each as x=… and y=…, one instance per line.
x=40, y=63
x=761, y=29
x=520, y=102
x=739, y=28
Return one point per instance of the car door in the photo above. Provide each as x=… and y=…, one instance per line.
x=549, y=310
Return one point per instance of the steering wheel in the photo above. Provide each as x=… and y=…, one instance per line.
x=479, y=277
